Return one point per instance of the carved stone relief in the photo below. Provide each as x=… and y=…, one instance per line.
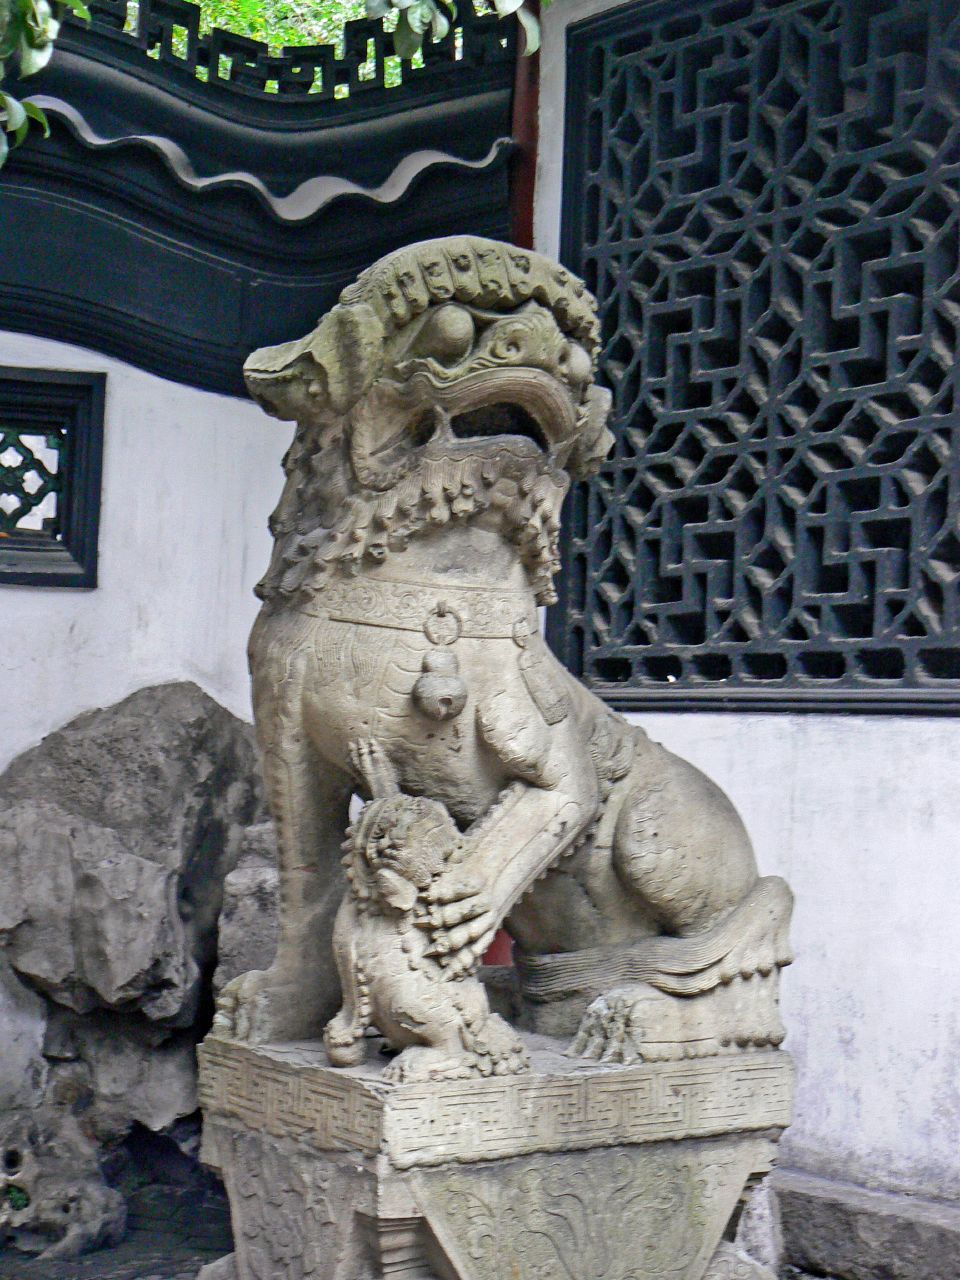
x=560, y=1104
x=294, y=1215
x=624, y=1214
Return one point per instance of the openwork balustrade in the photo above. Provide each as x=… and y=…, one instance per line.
x=169, y=31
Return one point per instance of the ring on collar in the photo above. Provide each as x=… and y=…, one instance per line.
x=443, y=625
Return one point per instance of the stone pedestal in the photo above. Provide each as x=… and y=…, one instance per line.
x=573, y=1171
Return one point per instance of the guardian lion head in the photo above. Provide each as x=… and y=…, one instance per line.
x=454, y=378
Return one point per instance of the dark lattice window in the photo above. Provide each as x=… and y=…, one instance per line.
x=764, y=195
x=51, y=440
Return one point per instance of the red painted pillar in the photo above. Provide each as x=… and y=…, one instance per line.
x=523, y=178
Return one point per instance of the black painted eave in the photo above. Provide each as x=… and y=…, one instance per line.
x=119, y=250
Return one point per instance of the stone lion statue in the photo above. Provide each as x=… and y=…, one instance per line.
x=442, y=409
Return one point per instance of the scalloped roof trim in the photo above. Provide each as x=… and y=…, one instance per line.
x=302, y=203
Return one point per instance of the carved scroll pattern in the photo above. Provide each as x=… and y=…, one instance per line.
x=626, y=1215
x=336, y=1109
x=281, y=1207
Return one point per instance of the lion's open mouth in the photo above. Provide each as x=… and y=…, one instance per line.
x=498, y=420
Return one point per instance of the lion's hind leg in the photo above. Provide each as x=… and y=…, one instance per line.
x=681, y=846
x=709, y=982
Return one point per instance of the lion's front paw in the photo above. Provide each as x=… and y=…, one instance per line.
x=606, y=1030
x=460, y=920
x=263, y=1006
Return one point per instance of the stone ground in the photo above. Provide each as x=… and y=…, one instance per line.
x=172, y=1233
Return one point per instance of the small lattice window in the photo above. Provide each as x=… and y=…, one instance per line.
x=765, y=198
x=51, y=443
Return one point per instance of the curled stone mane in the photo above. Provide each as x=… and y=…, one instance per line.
x=482, y=273
x=525, y=493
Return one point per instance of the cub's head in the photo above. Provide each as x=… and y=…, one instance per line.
x=396, y=848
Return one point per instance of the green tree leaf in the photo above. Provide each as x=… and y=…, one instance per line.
x=38, y=114
x=77, y=7
x=15, y=115
x=406, y=41
x=420, y=16
x=33, y=59
x=440, y=24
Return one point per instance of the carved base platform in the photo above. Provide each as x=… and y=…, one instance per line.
x=572, y=1171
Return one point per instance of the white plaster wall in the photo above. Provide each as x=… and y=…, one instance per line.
x=862, y=816
x=189, y=479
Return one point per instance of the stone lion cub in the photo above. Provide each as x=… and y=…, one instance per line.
x=389, y=975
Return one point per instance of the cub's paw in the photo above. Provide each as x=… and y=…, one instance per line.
x=343, y=1040
x=421, y=1062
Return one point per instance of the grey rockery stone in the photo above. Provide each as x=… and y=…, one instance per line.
x=249, y=919
x=133, y=1071
x=22, y=1025
x=116, y=835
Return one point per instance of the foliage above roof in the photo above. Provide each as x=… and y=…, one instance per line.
x=282, y=22
x=28, y=29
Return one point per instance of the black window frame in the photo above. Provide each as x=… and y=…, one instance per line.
x=74, y=401
x=570, y=624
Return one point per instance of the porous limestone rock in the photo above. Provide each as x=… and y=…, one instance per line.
x=23, y=1022
x=52, y=1197
x=133, y=1070
x=116, y=833
x=249, y=919
x=443, y=408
